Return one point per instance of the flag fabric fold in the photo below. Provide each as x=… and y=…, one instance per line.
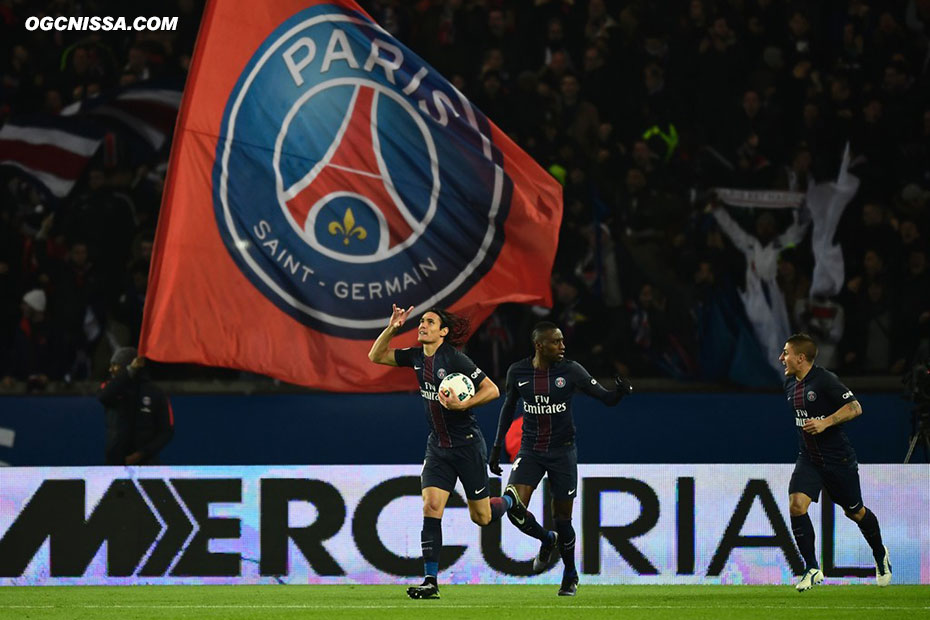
x=149, y=110
x=827, y=202
x=52, y=150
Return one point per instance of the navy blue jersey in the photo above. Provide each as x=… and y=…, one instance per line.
x=448, y=428
x=819, y=395
x=545, y=396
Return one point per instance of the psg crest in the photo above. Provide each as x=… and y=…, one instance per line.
x=349, y=175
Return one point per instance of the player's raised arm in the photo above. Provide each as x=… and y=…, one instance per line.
x=380, y=352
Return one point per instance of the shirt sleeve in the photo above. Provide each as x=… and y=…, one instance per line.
x=467, y=367
x=507, y=409
x=405, y=357
x=835, y=393
x=589, y=385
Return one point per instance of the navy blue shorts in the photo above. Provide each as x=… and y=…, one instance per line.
x=443, y=466
x=840, y=481
x=561, y=465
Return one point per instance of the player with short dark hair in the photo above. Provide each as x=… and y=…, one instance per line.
x=826, y=458
x=545, y=383
x=455, y=448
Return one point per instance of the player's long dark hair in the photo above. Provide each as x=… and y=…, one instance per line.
x=458, y=326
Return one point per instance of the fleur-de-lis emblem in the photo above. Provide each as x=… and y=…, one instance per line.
x=347, y=228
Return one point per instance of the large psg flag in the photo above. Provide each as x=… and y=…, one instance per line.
x=320, y=172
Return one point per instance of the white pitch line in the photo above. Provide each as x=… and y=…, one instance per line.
x=446, y=605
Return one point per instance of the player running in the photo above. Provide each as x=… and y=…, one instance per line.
x=455, y=448
x=826, y=459
x=546, y=383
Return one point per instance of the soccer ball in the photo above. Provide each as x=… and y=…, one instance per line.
x=457, y=386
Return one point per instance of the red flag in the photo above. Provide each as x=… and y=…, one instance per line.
x=320, y=172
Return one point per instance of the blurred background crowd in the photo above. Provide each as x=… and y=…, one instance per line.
x=640, y=109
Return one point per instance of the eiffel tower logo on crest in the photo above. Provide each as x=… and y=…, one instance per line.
x=350, y=180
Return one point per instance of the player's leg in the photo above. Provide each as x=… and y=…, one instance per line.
x=562, y=511
x=525, y=474
x=842, y=483
x=436, y=481
x=471, y=468
x=563, y=480
x=434, y=503
x=804, y=488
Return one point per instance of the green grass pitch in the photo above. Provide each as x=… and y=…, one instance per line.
x=497, y=602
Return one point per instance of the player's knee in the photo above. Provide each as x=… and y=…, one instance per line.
x=855, y=516
x=481, y=518
x=432, y=509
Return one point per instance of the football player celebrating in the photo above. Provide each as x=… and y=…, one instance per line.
x=455, y=448
x=826, y=459
x=546, y=383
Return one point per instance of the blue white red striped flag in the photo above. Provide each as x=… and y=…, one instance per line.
x=53, y=150
x=148, y=109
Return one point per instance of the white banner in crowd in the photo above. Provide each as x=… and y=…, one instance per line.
x=759, y=198
x=636, y=524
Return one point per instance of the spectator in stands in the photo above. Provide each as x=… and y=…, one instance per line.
x=872, y=337
x=579, y=118
x=36, y=354
x=131, y=301
x=648, y=338
x=873, y=232
x=792, y=281
x=912, y=310
x=582, y=318
x=796, y=176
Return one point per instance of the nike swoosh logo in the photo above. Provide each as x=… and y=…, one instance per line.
x=417, y=367
x=479, y=490
x=522, y=383
x=571, y=492
x=519, y=521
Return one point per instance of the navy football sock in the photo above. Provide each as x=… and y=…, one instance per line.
x=431, y=543
x=529, y=526
x=803, y=531
x=873, y=534
x=566, y=544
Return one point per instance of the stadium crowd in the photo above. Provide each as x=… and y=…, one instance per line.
x=640, y=109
